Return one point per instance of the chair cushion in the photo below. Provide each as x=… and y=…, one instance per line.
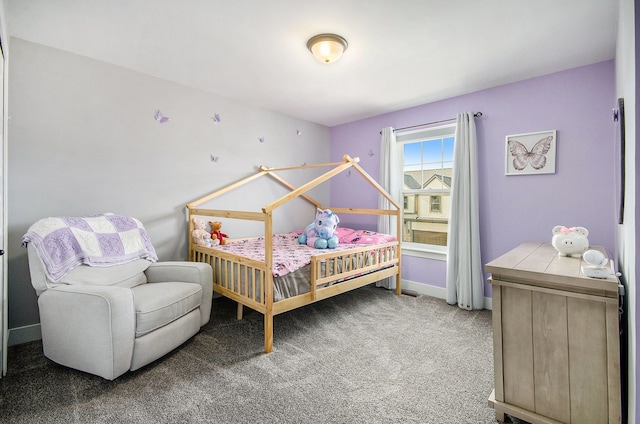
x=158, y=304
x=128, y=275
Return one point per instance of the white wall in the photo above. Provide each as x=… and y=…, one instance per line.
x=83, y=140
x=625, y=88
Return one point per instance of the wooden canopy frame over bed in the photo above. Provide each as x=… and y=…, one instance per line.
x=332, y=272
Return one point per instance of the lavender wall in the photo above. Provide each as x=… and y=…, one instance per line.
x=577, y=103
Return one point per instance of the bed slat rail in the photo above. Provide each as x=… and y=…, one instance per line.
x=242, y=279
x=343, y=265
x=328, y=291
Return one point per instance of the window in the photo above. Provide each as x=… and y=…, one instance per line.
x=435, y=203
x=427, y=168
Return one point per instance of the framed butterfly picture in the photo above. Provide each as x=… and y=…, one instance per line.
x=531, y=153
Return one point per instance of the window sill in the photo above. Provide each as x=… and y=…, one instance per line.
x=423, y=252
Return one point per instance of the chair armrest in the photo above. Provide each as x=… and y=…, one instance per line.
x=180, y=271
x=186, y=272
x=90, y=328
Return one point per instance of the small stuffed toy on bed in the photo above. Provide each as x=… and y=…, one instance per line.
x=320, y=233
x=200, y=235
x=216, y=234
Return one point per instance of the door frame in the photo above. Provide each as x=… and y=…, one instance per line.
x=4, y=292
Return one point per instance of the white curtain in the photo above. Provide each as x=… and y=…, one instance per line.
x=465, y=284
x=389, y=180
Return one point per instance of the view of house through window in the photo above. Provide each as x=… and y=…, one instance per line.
x=426, y=191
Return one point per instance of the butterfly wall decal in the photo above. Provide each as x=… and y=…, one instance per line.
x=214, y=158
x=536, y=156
x=216, y=118
x=160, y=117
x=261, y=139
x=298, y=132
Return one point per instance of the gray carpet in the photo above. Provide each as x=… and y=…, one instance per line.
x=366, y=356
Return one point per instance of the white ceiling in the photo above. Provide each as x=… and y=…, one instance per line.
x=401, y=53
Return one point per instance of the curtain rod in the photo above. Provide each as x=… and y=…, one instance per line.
x=476, y=115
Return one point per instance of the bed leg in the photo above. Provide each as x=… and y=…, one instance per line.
x=268, y=333
x=239, y=313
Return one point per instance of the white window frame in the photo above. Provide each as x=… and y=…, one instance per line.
x=432, y=202
x=422, y=250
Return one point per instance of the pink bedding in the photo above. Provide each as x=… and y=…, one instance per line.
x=349, y=236
x=289, y=255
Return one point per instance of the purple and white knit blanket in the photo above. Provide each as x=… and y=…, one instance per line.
x=102, y=240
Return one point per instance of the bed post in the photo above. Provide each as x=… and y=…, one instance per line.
x=189, y=232
x=268, y=331
x=268, y=283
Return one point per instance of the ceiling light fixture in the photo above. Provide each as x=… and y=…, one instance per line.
x=327, y=48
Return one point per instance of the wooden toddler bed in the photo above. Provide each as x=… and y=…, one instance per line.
x=257, y=279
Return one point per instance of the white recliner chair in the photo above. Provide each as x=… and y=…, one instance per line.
x=106, y=320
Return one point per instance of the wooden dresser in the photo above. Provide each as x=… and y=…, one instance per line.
x=555, y=339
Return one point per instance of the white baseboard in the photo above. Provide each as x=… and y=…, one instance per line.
x=425, y=289
x=437, y=292
x=25, y=334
